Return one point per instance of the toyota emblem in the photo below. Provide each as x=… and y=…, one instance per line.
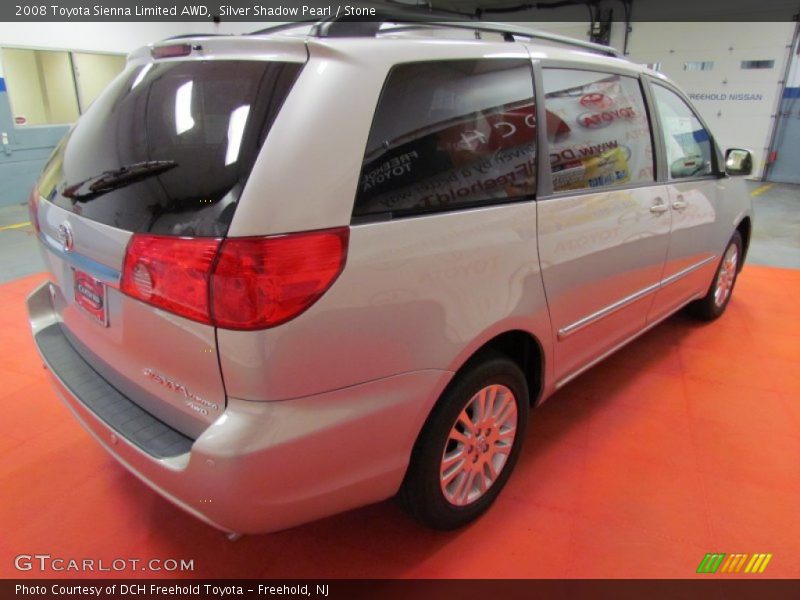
x=65, y=237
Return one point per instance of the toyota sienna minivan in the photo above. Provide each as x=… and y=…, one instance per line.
x=299, y=271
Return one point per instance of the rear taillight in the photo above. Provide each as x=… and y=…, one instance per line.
x=33, y=208
x=263, y=282
x=171, y=273
x=238, y=283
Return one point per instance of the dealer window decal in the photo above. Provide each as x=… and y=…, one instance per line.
x=451, y=134
x=610, y=144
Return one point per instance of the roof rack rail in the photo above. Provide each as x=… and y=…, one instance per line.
x=510, y=33
x=363, y=26
x=360, y=27
x=284, y=27
x=194, y=35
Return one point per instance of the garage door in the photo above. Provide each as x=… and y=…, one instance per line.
x=786, y=147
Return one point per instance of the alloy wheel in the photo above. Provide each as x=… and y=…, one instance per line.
x=478, y=445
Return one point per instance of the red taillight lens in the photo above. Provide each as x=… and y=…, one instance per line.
x=263, y=282
x=253, y=283
x=33, y=208
x=171, y=273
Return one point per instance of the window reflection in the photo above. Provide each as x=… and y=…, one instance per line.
x=183, y=108
x=141, y=75
x=687, y=141
x=598, y=128
x=450, y=134
x=235, y=132
x=210, y=118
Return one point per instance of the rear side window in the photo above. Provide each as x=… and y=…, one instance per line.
x=598, y=130
x=167, y=148
x=449, y=135
x=687, y=142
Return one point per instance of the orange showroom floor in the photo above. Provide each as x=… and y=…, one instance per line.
x=685, y=442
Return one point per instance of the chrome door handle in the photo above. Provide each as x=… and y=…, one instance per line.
x=659, y=207
x=679, y=205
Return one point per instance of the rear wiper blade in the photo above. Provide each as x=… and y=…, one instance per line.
x=129, y=174
x=117, y=178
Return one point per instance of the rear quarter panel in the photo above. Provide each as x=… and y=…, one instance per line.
x=417, y=293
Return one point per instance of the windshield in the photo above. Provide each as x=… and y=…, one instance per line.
x=168, y=146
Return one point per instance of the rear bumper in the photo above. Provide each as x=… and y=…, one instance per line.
x=262, y=466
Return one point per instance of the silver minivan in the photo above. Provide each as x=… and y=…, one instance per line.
x=300, y=271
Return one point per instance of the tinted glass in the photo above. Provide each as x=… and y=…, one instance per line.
x=687, y=141
x=168, y=146
x=598, y=130
x=449, y=135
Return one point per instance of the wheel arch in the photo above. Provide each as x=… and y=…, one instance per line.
x=522, y=347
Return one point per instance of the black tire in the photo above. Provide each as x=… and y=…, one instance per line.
x=707, y=308
x=421, y=492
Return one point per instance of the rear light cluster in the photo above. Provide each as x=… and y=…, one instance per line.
x=235, y=283
x=33, y=208
x=170, y=272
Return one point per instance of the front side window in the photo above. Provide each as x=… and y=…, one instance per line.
x=598, y=130
x=448, y=135
x=687, y=142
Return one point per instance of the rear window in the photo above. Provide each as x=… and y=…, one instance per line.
x=168, y=146
x=450, y=135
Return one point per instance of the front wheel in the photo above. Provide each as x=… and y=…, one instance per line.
x=469, y=444
x=719, y=294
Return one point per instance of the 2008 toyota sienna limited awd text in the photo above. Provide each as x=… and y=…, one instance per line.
x=297, y=272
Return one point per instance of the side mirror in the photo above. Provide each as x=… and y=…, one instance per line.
x=738, y=161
